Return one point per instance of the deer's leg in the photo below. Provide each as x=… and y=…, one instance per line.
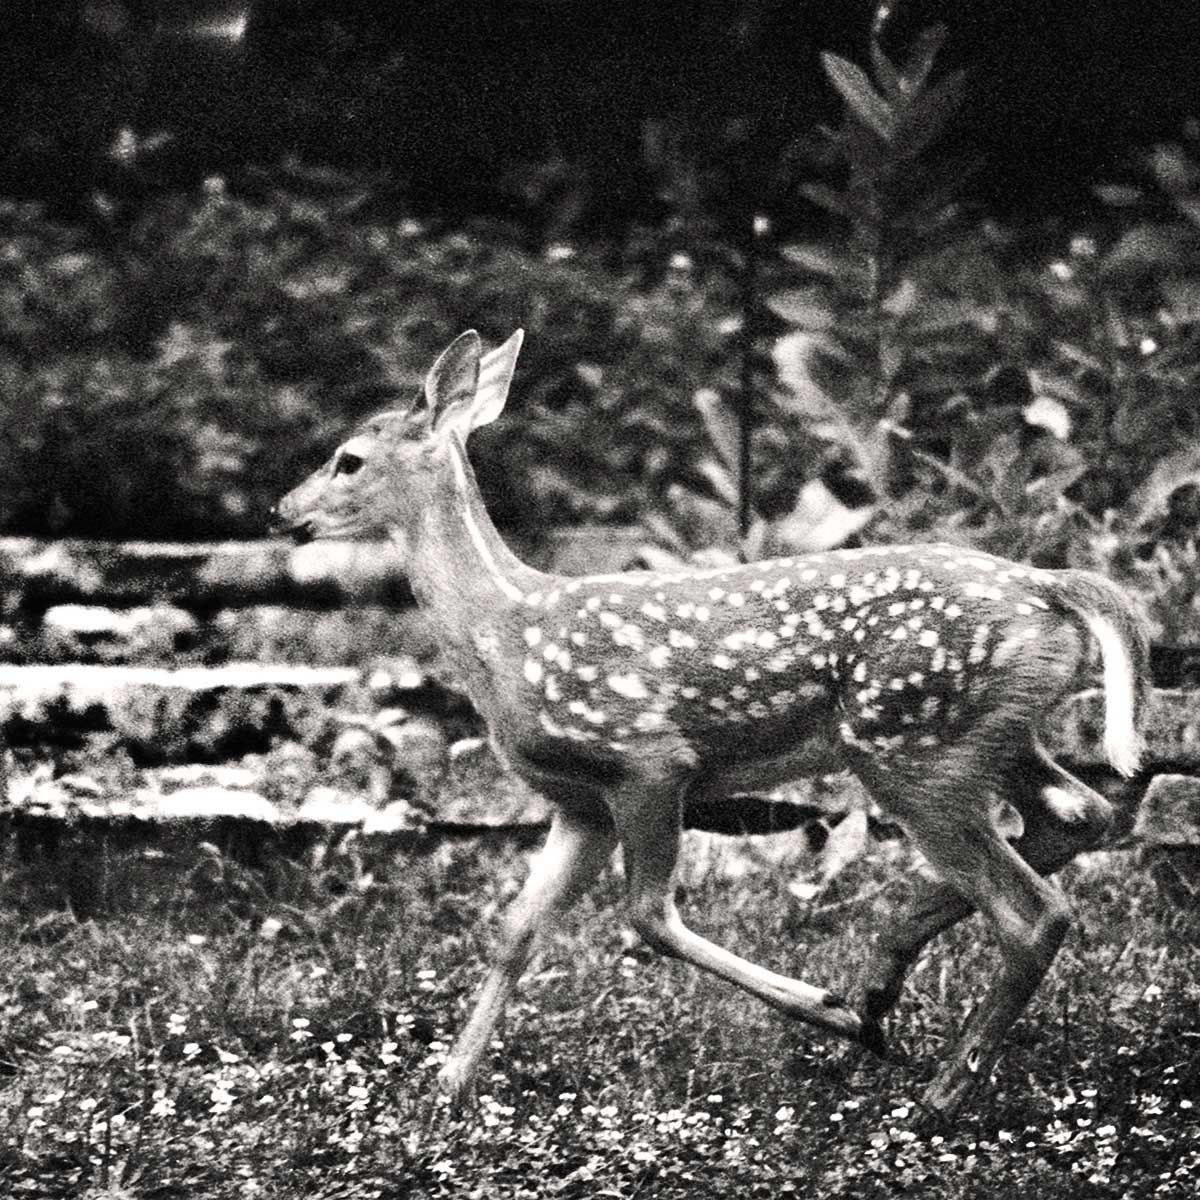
x=649, y=825
x=1063, y=817
x=933, y=908
x=1029, y=915
x=574, y=853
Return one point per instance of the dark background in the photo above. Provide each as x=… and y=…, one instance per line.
x=231, y=228
x=479, y=106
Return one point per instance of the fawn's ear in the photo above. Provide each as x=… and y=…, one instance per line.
x=489, y=384
x=452, y=380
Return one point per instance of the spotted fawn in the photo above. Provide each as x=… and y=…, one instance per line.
x=927, y=670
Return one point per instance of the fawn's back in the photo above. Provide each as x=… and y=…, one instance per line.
x=886, y=647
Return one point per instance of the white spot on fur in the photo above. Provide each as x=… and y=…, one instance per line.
x=629, y=635
x=659, y=656
x=1066, y=806
x=581, y=709
x=629, y=685
x=647, y=722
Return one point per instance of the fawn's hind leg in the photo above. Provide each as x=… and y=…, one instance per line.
x=1063, y=817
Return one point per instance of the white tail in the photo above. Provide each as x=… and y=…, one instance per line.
x=1122, y=742
x=925, y=669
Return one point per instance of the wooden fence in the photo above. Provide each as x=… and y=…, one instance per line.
x=78, y=622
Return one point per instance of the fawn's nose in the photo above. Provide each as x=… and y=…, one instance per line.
x=299, y=531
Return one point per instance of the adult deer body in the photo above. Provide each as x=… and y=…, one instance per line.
x=927, y=670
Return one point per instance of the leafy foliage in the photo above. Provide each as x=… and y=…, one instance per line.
x=176, y=379
x=1027, y=392
x=861, y=311
x=1024, y=390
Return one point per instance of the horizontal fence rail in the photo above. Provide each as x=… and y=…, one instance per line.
x=38, y=574
x=106, y=603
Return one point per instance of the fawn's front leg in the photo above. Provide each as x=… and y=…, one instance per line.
x=574, y=853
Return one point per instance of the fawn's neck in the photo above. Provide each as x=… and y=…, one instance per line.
x=464, y=577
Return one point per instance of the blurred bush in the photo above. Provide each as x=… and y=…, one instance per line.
x=1027, y=391
x=171, y=371
x=171, y=377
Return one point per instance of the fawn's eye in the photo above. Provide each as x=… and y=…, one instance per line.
x=347, y=464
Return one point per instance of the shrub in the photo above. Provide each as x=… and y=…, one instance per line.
x=174, y=381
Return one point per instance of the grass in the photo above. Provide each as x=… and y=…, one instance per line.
x=239, y=1034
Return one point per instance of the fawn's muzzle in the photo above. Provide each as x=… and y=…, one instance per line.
x=299, y=531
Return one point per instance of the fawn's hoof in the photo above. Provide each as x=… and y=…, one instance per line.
x=453, y=1085
x=871, y=1037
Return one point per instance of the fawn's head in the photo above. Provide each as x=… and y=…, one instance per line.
x=359, y=490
